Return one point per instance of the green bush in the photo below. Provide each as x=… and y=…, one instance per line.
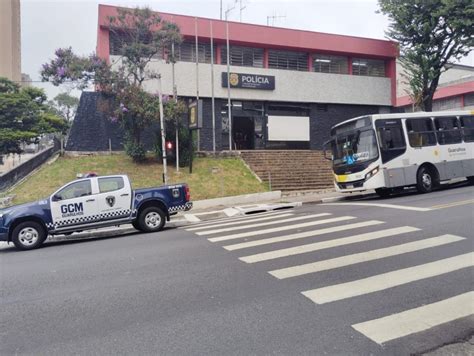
x=135, y=151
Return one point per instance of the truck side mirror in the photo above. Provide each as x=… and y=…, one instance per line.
x=56, y=198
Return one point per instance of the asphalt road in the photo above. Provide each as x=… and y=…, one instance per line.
x=203, y=291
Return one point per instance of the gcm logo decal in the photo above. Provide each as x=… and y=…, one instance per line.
x=72, y=209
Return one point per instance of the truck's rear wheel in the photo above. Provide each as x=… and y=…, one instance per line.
x=151, y=219
x=28, y=235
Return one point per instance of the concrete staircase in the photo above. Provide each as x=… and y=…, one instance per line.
x=288, y=170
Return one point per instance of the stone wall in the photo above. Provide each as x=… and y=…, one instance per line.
x=92, y=128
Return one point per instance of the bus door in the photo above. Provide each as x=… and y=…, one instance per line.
x=392, y=145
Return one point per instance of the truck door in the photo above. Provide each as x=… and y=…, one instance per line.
x=114, y=198
x=74, y=204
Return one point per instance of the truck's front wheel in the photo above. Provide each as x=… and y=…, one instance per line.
x=151, y=219
x=28, y=235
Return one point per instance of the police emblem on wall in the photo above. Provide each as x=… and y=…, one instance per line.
x=110, y=201
x=234, y=79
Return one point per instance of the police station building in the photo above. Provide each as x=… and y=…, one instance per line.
x=287, y=87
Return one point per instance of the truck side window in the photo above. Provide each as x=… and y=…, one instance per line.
x=110, y=184
x=75, y=190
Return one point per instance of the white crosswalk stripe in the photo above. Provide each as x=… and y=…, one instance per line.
x=241, y=220
x=280, y=228
x=389, y=280
x=267, y=223
x=419, y=319
x=284, y=227
x=364, y=257
x=246, y=221
x=311, y=247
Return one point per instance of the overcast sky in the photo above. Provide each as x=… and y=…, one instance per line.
x=50, y=24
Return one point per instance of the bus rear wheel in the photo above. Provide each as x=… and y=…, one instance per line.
x=425, y=180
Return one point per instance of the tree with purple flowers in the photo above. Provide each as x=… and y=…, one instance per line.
x=142, y=35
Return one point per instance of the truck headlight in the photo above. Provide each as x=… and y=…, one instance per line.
x=372, y=173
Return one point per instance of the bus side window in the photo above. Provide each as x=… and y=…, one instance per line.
x=467, y=124
x=420, y=132
x=447, y=130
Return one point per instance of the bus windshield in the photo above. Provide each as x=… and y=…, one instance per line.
x=354, y=146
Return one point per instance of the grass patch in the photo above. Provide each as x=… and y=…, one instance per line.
x=211, y=178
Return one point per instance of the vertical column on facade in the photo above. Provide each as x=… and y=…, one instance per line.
x=310, y=62
x=462, y=101
x=217, y=48
x=391, y=72
x=265, y=58
x=349, y=65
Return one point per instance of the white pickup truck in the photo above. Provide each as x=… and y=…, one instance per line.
x=90, y=203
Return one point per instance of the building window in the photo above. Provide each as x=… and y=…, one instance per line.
x=243, y=56
x=186, y=52
x=368, y=67
x=469, y=99
x=420, y=132
x=447, y=104
x=288, y=60
x=330, y=64
x=448, y=130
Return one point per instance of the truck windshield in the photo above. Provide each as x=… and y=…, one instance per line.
x=354, y=146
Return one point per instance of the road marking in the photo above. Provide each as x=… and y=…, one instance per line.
x=389, y=280
x=283, y=221
x=227, y=223
x=306, y=248
x=241, y=218
x=450, y=205
x=390, y=206
x=353, y=259
x=418, y=319
x=281, y=228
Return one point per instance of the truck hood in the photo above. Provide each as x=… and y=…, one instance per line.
x=26, y=206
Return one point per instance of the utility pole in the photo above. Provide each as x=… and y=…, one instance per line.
x=175, y=97
x=162, y=130
x=229, y=109
x=197, y=74
x=212, y=91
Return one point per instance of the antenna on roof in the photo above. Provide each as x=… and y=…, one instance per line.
x=273, y=19
x=241, y=9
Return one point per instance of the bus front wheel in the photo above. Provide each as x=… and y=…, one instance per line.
x=425, y=180
x=383, y=192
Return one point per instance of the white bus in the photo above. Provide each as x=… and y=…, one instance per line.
x=387, y=152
